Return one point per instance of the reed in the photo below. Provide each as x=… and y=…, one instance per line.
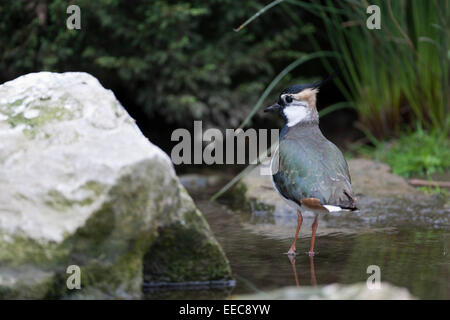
x=395, y=75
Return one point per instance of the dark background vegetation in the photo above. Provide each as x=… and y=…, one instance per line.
x=172, y=62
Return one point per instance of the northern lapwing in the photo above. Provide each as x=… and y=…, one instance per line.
x=308, y=171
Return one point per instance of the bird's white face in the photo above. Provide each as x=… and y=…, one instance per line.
x=300, y=107
x=296, y=112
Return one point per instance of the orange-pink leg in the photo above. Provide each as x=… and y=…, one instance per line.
x=313, y=271
x=313, y=239
x=292, y=261
x=299, y=225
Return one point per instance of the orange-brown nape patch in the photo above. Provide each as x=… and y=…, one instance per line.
x=313, y=203
x=308, y=95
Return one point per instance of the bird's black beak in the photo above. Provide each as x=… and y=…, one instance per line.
x=274, y=107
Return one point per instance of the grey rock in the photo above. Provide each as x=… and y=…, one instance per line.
x=375, y=179
x=80, y=184
x=357, y=291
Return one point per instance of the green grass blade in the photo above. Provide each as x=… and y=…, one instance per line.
x=256, y=15
x=280, y=76
x=335, y=107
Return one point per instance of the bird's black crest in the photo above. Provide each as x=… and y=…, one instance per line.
x=296, y=88
x=300, y=87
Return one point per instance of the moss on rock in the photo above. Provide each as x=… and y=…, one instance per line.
x=183, y=252
x=26, y=282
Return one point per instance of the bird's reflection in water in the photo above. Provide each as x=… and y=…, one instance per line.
x=311, y=270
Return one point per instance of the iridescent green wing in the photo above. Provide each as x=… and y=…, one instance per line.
x=313, y=169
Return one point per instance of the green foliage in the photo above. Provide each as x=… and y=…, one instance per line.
x=176, y=59
x=396, y=75
x=399, y=73
x=182, y=60
x=416, y=153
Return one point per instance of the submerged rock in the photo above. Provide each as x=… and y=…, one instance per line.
x=385, y=201
x=375, y=179
x=357, y=291
x=198, y=182
x=80, y=185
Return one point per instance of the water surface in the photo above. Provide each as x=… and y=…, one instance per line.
x=409, y=244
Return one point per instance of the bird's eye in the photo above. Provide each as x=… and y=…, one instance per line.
x=288, y=99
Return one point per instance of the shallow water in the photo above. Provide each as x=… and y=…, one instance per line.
x=409, y=244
